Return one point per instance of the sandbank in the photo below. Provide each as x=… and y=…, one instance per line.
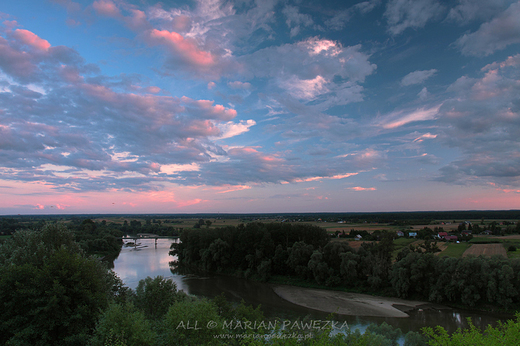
x=346, y=303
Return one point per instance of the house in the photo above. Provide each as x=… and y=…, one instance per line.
x=400, y=233
x=451, y=237
x=412, y=234
x=442, y=235
x=359, y=237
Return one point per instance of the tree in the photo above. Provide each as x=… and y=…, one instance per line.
x=123, y=324
x=52, y=294
x=186, y=323
x=155, y=296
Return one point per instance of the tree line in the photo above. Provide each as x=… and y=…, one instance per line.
x=304, y=252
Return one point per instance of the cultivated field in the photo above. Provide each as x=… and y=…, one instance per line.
x=485, y=250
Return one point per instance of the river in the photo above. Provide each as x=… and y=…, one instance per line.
x=136, y=263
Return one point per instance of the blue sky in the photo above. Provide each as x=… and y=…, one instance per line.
x=259, y=106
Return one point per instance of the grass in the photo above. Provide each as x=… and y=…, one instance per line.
x=455, y=250
x=401, y=243
x=512, y=242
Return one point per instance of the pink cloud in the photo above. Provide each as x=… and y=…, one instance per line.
x=341, y=176
x=425, y=136
x=187, y=203
x=337, y=176
x=106, y=8
x=359, y=188
x=137, y=20
x=31, y=39
x=400, y=118
x=206, y=109
x=230, y=188
x=202, y=128
x=187, y=48
x=153, y=89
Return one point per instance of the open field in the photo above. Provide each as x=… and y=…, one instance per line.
x=505, y=241
x=485, y=250
x=455, y=250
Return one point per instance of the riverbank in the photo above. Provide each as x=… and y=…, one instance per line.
x=353, y=304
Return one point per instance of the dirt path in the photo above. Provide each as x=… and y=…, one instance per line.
x=345, y=303
x=485, y=250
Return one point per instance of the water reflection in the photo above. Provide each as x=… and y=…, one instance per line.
x=134, y=264
x=145, y=259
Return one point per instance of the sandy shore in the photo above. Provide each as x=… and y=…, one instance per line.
x=345, y=303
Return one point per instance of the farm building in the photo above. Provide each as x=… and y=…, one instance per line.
x=441, y=235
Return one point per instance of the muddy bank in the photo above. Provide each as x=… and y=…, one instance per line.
x=353, y=304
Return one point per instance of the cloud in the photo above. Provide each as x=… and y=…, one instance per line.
x=92, y=132
x=231, y=129
x=403, y=14
x=206, y=110
x=481, y=120
x=185, y=48
x=359, y=188
x=31, y=39
x=417, y=77
x=295, y=20
x=106, y=8
x=308, y=59
x=175, y=168
x=231, y=188
x=401, y=118
x=341, y=17
x=497, y=34
x=423, y=94
x=425, y=136
x=305, y=89
x=239, y=85
x=469, y=10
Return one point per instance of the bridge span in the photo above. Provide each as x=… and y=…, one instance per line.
x=147, y=236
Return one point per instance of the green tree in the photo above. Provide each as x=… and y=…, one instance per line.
x=189, y=323
x=155, y=296
x=124, y=325
x=52, y=294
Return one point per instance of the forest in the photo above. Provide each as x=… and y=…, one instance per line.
x=304, y=253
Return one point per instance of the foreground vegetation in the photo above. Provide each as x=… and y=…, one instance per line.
x=54, y=293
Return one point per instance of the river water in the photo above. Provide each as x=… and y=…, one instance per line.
x=136, y=263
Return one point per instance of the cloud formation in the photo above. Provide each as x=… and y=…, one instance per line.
x=497, y=34
x=417, y=77
x=403, y=14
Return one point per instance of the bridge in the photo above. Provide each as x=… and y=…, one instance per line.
x=147, y=236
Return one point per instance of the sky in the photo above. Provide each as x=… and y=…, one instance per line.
x=266, y=106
